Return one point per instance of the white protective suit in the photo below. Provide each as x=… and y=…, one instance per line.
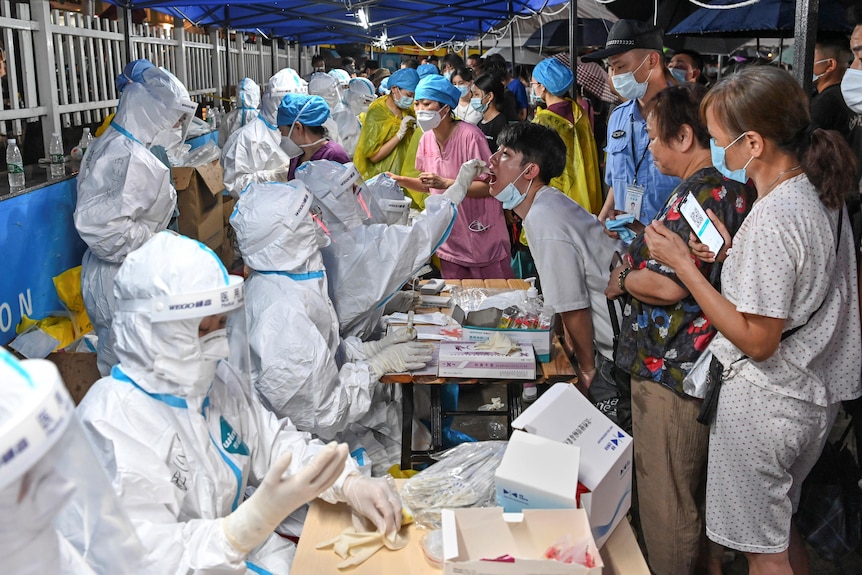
x=60, y=515
x=360, y=94
x=255, y=149
x=370, y=266
x=245, y=112
x=343, y=125
x=125, y=193
x=296, y=370
x=182, y=452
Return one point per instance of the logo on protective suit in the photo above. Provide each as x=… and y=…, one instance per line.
x=230, y=439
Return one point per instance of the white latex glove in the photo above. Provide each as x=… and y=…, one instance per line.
x=276, y=174
x=405, y=125
x=469, y=171
x=401, y=357
x=376, y=499
x=279, y=495
x=397, y=336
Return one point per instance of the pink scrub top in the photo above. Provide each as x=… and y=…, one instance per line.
x=464, y=246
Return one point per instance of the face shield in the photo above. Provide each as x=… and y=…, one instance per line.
x=52, y=487
x=388, y=195
x=337, y=187
x=326, y=87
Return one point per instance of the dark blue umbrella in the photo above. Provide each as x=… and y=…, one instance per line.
x=773, y=18
x=555, y=34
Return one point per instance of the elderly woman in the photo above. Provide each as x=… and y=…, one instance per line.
x=664, y=331
x=787, y=315
x=478, y=246
x=387, y=129
x=300, y=119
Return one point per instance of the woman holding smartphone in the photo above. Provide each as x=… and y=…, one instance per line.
x=787, y=314
x=664, y=331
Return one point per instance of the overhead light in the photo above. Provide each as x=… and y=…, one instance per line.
x=362, y=15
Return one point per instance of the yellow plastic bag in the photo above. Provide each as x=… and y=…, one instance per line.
x=60, y=328
x=68, y=286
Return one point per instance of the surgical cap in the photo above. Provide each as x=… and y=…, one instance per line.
x=307, y=110
x=384, y=86
x=555, y=76
x=405, y=79
x=132, y=72
x=439, y=89
x=427, y=70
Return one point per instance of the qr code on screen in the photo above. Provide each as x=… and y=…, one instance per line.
x=696, y=219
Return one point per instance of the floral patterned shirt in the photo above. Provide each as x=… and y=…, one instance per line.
x=662, y=343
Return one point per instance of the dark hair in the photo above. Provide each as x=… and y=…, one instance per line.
x=835, y=46
x=372, y=64
x=319, y=131
x=432, y=58
x=676, y=106
x=696, y=58
x=453, y=60
x=539, y=145
x=348, y=61
x=854, y=15
x=769, y=101
x=318, y=58
x=489, y=83
x=495, y=66
x=465, y=73
x=410, y=62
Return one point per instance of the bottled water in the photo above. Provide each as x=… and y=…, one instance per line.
x=55, y=150
x=86, y=141
x=15, y=166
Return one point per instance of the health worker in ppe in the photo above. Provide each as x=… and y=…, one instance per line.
x=125, y=194
x=248, y=100
x=360, y=94
x=323, y=85
x=388, y=126
x=185, y=437
x=348, y=124
x=302, y=120
x=132, y=72
x=60, y=515
x=367, y=264
x=254, y=153
x=580, y=180
x=307, y=373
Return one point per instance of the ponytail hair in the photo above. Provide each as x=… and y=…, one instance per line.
x=829, y=163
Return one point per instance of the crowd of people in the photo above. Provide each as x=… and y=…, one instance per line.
x=227, y=402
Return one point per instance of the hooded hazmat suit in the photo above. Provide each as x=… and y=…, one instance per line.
x=253, y=153
x=182, y=435
x=371, y=262
x=125, y=193
x=248, y=102
x=333, y=91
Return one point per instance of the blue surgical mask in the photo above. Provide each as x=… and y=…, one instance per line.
x=509, y=196
x=476, y=104
x=448, y=74
x=680, y=74
x=403, y=102
x=718, y=161
x=464, y=89
x=534, y=99
x=629, y=88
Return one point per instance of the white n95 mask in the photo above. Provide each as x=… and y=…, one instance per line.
x=428, y=119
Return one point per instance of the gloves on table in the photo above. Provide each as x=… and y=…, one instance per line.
x=279, y=495
x=401, y=357
x=276, y=174
x=402, y=301
x=469, y=171
x=376, y=499
x=405, y=125
x=397, y=336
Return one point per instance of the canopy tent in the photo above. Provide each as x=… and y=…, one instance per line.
x=555, y=34
x=380, y=22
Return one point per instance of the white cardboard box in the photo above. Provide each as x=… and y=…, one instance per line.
x=462, y=359
x=473, y=534
x=537, y=473
x=481, y=326
x=563, y=414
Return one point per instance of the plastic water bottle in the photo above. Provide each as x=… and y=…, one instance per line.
x=86, y=141
x=15, y=166
x=55, y=150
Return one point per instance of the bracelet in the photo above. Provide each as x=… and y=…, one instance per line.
x=621, y=279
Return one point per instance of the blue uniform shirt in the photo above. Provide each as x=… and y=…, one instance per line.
x=621, y=163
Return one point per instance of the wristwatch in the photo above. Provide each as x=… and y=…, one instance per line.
x=621, y=279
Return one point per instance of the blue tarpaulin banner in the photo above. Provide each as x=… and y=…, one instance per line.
x=38, y=241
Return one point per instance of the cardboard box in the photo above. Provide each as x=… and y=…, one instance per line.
x=480, y=326
x=537, y=473
x=199, y=199
x=473, y=534
x=563, y=414
x=462, y=359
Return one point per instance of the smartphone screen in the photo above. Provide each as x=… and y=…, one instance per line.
x=700, y=223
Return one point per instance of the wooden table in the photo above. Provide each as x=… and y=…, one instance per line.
x=621, y=554
x=558, y=369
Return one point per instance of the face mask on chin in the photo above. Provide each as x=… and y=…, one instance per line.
x=509, y=196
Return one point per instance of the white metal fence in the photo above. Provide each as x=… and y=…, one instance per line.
x=61, y=66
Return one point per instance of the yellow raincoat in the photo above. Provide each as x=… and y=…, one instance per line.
x=580, y=180
x=409, y=169
x=380, y=126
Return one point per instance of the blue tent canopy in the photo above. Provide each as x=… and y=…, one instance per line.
x=327, y=21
